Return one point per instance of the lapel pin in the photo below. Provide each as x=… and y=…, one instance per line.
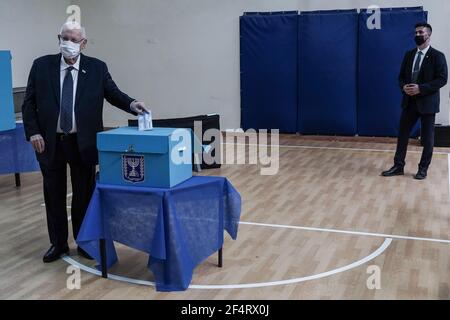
x=84, y=71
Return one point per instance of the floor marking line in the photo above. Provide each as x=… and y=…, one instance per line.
x=353, y=265
x=448, y=175
x=330, y=148
x=110, y=276
x=379, y=235
x=67, y=207
x=68, y=196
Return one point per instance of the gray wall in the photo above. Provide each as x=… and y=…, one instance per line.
x=180, y=56
x=29, y=28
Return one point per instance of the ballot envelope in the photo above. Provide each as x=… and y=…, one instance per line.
x=159, y=158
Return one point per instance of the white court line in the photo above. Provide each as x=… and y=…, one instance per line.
x=449, y=174
x=370, y=234
x=68, y=196
x=68, y=207
x=43, y=205
x=353, y=265
x=328, y=148
x=110, y=276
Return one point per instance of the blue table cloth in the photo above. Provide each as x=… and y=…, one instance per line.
x=16, y=154
x=178, y=227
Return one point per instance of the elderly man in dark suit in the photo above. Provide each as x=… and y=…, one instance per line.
x=423, y=73
x=62, y=113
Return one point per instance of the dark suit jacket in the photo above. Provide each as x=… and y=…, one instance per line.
x=432, y=77
x=42, y=104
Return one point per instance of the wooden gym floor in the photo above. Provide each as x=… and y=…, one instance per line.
x=313, y=231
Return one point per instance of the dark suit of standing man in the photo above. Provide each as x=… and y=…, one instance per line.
x=62, y=113
x=423, y=73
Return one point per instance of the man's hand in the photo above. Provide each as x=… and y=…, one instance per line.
x=411, y=89
x=139, y=107
x=38, y=143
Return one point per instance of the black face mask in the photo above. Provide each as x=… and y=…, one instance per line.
x=420, y=40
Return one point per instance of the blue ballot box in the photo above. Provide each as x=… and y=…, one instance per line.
x=7, y=116
x=160, y=158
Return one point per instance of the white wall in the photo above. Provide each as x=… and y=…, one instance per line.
x=29, y=28
x=180, y=56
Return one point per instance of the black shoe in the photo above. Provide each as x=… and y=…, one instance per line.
x=421, y=174
x=394, y=171
x=84, y=254
x=55, y=252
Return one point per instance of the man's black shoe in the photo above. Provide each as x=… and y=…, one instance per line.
x=55, y=252
x=420, y=175
x=394, y=171
x=84, y=254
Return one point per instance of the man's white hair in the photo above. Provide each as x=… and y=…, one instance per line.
x=73, y=25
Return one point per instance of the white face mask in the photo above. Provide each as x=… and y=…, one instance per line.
x=70, y=49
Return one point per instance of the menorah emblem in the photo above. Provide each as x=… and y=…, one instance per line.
x=133, y=163
x=133, y=168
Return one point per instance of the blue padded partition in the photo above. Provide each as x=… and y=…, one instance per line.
x=381, y=52
x=328, y=72
x=7, y=116
x=269, y=71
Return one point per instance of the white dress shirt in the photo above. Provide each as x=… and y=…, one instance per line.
x=63, y=69
x=424, y=54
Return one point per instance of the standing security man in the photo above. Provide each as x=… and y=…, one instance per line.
x=62, y=113
x=423, y=73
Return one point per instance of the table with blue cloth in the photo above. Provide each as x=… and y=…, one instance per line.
x=178, y=227
x=16, y=154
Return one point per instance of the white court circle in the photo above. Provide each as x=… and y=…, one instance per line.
x=353, y=265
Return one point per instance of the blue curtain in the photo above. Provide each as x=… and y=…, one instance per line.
x=328, y=71
x=269, y=71
x=381, y=52
x=324, y=72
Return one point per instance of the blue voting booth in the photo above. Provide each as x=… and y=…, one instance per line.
x=7, y=117
x=160, y=158
x=16, y=153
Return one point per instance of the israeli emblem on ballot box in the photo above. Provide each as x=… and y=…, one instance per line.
x=133, y=168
